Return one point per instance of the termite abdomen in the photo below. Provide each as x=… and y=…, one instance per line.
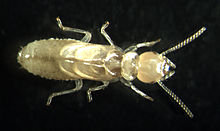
x=69, y=59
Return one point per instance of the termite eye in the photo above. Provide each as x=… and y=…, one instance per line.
x=150, y=67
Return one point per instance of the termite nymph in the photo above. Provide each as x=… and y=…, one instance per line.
x=70, y=59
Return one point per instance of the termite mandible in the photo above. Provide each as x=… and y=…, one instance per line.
x=70, y=59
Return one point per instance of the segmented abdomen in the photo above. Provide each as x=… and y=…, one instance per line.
x=68, y=59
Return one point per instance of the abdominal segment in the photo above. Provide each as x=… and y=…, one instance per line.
x=41, y=58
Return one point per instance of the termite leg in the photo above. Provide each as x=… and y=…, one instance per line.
x=105, y=34
x=105, y=84
x=176, y=98
x=139, y=45
x=79, y=85
x=87, y=36
x=129, y=84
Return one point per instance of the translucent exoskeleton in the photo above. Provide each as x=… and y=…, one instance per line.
x=70, y=59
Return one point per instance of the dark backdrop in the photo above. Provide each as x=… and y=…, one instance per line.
x=117, y=107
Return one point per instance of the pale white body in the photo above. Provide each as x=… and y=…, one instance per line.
x=69, y=59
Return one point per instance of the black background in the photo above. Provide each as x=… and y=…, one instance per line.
x=196, y=80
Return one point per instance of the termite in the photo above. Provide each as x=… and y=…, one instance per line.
x=70, y=59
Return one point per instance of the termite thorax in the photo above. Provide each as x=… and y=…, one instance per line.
x=129, y=66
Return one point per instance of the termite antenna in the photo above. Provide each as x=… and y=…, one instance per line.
x=185, y=42
x=177, y=99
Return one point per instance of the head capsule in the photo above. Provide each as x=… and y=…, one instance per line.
x=152, y=67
